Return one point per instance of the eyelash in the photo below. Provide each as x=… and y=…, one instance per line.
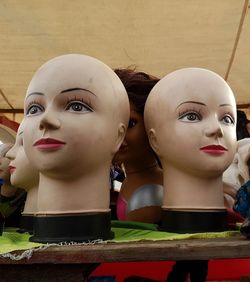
x=198, y=113
x=230, y=116
x=189, y=111
x=31, y=104
x=80, y=100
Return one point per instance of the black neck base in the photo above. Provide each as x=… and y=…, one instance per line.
x=193, y=221
x=26, y=224
x=78, y=228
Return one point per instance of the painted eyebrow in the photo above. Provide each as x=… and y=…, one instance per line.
x=35, y=93
x=74, y=89
x=223, y=105
x=194, y=102
x=20, y=133
x=63, y=91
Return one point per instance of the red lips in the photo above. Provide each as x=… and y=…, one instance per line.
x=12, y=168
x=214, y=149
x=48, y=143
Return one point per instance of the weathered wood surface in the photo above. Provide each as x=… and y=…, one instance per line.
x=192, y=249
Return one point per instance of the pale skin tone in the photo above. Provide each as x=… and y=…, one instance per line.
x=193, y=132
x=68, y=120
x=23, y=174
x=7, y=189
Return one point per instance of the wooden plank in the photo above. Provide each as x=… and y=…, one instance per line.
x=193, y=249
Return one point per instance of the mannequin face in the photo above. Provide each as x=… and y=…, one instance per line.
x=22, y=173
x=196, y=131
x=135, y=145
x=4, y=163
x=74, y=116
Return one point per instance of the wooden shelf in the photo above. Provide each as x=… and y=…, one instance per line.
x=191, y=249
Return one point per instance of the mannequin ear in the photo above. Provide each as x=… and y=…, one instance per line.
x=120, y=136
x=153, y=140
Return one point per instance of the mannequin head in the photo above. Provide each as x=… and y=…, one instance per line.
x=76, y=112
x=4, y=162
x=76, y=115
x=190, y=117
x=23, y=174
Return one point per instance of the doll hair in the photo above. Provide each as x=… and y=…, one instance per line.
x=138, y=86
x=241, y=126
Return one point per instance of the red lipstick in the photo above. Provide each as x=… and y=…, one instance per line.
x=12, y=169
x=214, y=149
x=48, y=144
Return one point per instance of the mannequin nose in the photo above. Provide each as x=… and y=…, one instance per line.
x=10, y=154
x=214, y=129
x=49, y=121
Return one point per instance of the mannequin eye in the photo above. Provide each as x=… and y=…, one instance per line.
x=131, y=123
x=190, y=117
x=34, y=110
x=78, y=107
x=227, y=119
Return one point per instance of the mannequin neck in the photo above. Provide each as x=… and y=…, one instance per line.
x=184, y=191
x=30, y=207
x=86, y=193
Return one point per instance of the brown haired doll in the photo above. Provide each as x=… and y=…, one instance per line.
x=141, y=192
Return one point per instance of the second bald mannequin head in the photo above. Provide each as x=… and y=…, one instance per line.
x=187, y=111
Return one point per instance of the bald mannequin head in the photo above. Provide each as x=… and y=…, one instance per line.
x=188, y=110
x=76, y=116
x=80, y=102
x=4, y=161
x=23, y=174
